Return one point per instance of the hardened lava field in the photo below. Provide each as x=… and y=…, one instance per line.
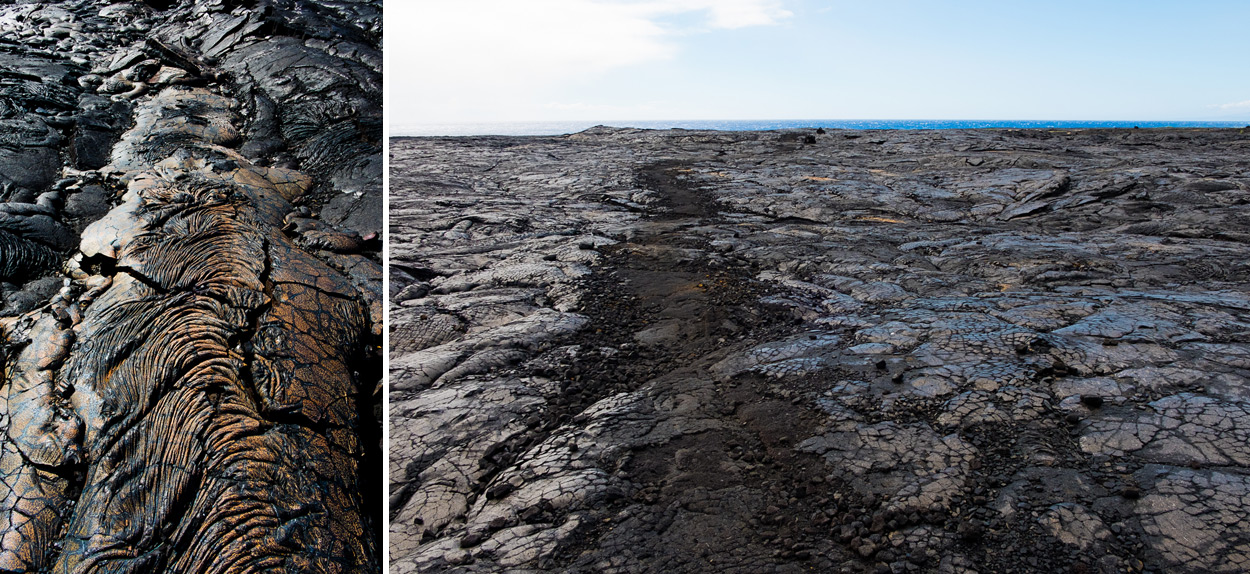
x=807, y=351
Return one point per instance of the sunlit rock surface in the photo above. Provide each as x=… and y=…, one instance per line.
x=943, y=351
x=192, y=289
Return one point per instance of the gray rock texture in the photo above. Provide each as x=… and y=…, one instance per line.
x=897, y=351
x=189, y=262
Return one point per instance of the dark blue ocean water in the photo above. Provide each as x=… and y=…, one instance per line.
x=556, y=128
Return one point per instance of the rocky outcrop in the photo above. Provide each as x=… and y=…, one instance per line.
x=191, y=364
x=942, y=351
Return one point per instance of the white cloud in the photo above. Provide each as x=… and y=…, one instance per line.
x=457, y=55
x=471, y=42
x=1233, y=106
x=727, y=14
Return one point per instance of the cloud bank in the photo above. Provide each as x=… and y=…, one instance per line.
x=462, y=54
x=1233, y=106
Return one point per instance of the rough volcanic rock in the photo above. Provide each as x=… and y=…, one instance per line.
x=896, y=351
x=191, y=366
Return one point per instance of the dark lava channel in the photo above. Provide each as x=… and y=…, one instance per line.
x=942, y=351
x=684, y=311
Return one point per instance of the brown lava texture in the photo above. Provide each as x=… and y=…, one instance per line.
x=190, y=199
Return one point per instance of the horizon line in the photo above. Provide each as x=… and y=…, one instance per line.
x=567, y=127
x=608, y=122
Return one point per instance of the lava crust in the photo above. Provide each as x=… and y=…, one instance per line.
x=861, y=351
x=192, y=288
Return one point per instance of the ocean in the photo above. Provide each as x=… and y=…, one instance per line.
x=557, y=128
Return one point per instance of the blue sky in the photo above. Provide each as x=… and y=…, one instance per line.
x=601, y=60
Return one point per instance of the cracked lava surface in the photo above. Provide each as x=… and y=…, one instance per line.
x=897, y=351
x=192, y=293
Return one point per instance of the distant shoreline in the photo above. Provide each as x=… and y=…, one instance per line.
x=565, y=128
